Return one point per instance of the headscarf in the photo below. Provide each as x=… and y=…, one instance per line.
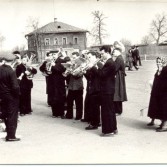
x=163, y=60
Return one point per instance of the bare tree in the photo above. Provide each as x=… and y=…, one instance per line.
x=33, y=25
x=146, y=40
x=126, y=42
x=19, y=48
x=98, y=31
x=158, y=28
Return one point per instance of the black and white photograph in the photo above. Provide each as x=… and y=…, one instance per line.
x=83, y=82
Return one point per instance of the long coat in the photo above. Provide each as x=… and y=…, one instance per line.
x=158, y=99
x=120, y=85
x=56, y=82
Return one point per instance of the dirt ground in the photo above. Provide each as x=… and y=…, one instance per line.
x=47, y=140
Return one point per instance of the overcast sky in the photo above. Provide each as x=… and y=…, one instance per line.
x=128, y=19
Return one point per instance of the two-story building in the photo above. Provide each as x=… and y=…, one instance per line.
x=56, y=35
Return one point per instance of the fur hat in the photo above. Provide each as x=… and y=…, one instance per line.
x=119, y=46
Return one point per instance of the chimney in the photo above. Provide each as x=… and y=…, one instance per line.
x=55, y=19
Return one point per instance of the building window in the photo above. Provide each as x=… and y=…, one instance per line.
x=75, y=40
x=47, y=41
x=56, y=42
x=64, y=41
x=34, y=43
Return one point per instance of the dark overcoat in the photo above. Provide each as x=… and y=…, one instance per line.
x=9, y=93
x=56, y=82
x=93, y=81
x=158, y=99
x=120, y=85
x=107, y=77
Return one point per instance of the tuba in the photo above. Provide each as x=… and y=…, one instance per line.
x=29, y=66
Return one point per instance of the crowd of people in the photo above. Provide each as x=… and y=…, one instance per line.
x=105, y=75
x=105, y=92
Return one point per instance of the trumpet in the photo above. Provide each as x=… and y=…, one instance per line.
x=70, y=67
x=67, y=72
x=49, y=65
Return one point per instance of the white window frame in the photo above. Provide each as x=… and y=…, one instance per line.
x=47, y=43
x=63, y=40
x=55, y=42
x=74, y=40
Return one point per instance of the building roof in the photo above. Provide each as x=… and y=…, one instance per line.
x=163, y=43
x=57, y=27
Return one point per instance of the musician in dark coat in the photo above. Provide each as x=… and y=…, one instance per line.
x=26, y=84
x=9, y=94
x=56, y=86
x=88, y=75
x=158, y=99
x=120, y=85
x=92, y=109
x=107, y=74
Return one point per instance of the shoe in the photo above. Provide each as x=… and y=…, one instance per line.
x=90, y=127
x=77, y=119
x=12, y=139
x=107, y=134
x=160, y=127
x=161, y=130
x=115, y=132
x=22, y=115
x=118, y=114
x=63, y=117
x=68, y=117
x=150, y=124
x=99, y=125
x=30, y=113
